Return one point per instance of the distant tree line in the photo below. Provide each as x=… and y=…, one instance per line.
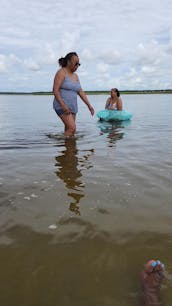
x=95, y=92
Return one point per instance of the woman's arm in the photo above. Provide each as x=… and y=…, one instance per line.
x=119, y=104
x=107, y=103
x=58, y=80
x=84, y=98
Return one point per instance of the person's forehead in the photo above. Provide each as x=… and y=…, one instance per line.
x=74, y=57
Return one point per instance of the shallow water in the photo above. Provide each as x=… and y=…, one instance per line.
x=80, y=217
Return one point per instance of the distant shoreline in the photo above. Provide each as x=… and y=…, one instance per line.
x=94, y=92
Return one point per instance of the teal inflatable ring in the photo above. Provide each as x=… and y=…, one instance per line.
x=114, y=115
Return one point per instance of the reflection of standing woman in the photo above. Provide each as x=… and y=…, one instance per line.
x=70, y=164
x=66, y=88
x=114, y=102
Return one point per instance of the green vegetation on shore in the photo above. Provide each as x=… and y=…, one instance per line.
x=95, y=92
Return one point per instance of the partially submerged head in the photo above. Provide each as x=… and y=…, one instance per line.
x=154, y=265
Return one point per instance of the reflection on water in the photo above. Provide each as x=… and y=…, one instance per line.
x=69, y=169
x=113, y=130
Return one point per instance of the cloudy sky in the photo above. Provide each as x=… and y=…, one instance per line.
x=125, y=44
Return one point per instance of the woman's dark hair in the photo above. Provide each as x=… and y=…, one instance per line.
x=117, y=91
x=63, y=60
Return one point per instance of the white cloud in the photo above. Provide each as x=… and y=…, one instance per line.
x=111, y=57
x=147, y=69
x=152, y=53
x=30, y=64
x=87, y=54
x=132, y=72
x=102, y=68
x=7, y=61
x=47, y=55
x=3, y=67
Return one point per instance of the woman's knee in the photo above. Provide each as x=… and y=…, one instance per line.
x=71, y=128
x=69, y=123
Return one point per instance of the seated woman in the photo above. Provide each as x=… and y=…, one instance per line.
x=114, y=102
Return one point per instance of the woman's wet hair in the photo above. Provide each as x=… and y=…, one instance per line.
x=63, y=60
x=117, y=91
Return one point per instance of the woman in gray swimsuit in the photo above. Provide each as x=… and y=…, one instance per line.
x=65, y=89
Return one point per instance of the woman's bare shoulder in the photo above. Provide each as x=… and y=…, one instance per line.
x=60, y=74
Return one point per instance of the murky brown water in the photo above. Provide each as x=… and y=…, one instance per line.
x=79, y=218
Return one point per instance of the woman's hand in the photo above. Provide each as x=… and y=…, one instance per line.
x=84, y=98
x=66, y=110
x=91, y=109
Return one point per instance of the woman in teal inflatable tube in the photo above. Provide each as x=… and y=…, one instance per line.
x=113, y=108
x=114, y=102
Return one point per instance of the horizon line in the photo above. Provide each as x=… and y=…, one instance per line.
x=90, y=91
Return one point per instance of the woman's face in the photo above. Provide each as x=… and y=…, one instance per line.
x=74, y=63
x=113, y=93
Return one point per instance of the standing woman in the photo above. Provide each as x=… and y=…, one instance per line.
x=114, y=102
x=65, y=89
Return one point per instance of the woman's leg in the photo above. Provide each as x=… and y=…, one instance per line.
x=69, y=123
